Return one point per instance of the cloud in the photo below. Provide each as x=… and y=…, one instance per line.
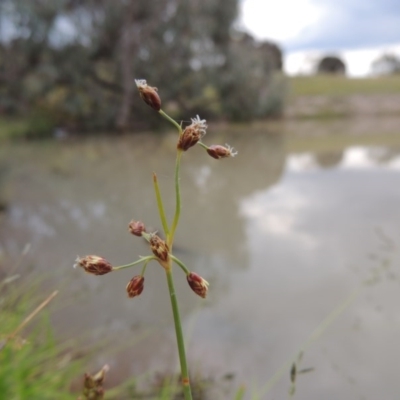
x=327, y=25
x=350, y=24
x=278, y=212
x=281, y=21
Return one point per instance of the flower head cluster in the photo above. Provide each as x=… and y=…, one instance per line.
x=159, y=248
x=198, y=284
x=192, y=133
x=135, y=286
x=94, y=265
x=137, y=228
x=217, y=151
x=93, y=384
x=149, y=94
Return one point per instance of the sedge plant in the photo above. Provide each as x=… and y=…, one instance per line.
x=162, y=249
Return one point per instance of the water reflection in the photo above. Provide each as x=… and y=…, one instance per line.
x=354, y=157
x=281, y=238
x=308, y=238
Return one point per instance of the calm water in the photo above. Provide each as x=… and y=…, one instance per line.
x=284, y=233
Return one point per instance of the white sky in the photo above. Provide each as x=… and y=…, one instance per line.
x=291, y=22
x=282, y=20
x=358, y=61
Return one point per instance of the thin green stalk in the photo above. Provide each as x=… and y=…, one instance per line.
x=240, y=393
x=181, y=264
x=179, y=337
x=160, y=205
x=144, y=267
x=178, y=200
x=202, y=145
x=141, y=259
x=173, y=122
x=33, y=314
x=14, y=267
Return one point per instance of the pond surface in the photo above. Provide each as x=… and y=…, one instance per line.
x=303, y=222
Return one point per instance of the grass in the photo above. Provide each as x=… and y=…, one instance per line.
x=13, y=128
x=35, y=125
x=32, y=364
x=331, y=85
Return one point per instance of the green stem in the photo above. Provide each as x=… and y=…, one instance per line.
x=240, y=393
x=173, y=122
x=181, y=264
x=179, y=336
x=144, y=267
x=146, y=236
x=178, y=200
x=160, y=206
x=141, y=259
x=202, y=145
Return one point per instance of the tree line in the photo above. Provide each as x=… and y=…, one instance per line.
x=72, y=63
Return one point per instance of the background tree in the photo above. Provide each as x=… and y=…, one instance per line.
x=248, y=82
x=331, y=65
x=386, y=64
x=72, y=63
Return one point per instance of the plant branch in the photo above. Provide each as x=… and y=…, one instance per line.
x=177, y=201
x=173, y=122
x=160, y=206
x=141, y=259
x=181, y=264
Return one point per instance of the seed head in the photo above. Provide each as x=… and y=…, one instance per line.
x=149, y=94
x=198, y=284
x=137, y=228
x=135, y=286
x=92, y=385
x=217, y=151
x=94, y=265
x=192, y=133
x=159, y=248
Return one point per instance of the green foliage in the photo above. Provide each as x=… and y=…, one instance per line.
x=32, y=365
x=248, y=82
x=13, y=127
x=37, y=124
x=31, y=372
x=386, y=64
x=76, y=61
